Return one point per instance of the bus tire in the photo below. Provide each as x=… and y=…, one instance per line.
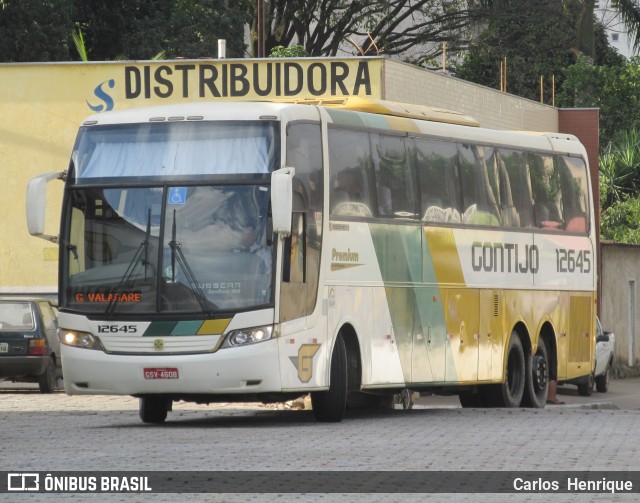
x=153, y=409
x=510, y=392
x=329, y=406
x=537, y=385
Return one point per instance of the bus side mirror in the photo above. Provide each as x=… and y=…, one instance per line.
x=282, y=199
x=37, y=202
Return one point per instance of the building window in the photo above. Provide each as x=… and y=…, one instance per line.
x=614, y=37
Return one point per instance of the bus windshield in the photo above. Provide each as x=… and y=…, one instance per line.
x=168, y=249
x=175, y=149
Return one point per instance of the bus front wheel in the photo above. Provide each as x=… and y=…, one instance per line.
x=329, y=406
x=153, y=409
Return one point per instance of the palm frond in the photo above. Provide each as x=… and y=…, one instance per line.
x=629, y=11
x=78, y=41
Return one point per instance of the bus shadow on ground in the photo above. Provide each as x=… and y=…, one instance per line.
x=240, y=418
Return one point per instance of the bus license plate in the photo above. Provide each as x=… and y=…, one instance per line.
x=161, y=373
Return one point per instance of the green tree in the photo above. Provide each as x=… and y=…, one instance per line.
x=293, y=51
x=536, y=38
x=615, y=90
x=586, y=27
x=620, y=168
x=197, y=25
x=33, y=30
x=629, y=14
x=619, y=222
x=139, y=29
x=410, y=29
x=619, y=188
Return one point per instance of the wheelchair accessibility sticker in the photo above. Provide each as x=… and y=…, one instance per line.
x=177, y=195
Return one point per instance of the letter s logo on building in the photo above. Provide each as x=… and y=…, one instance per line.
x=101, y=94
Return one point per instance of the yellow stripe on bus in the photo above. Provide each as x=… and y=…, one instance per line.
x=444, y=254
x=214, y=327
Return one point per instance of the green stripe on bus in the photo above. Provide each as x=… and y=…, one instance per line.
x=160, y=328
x=416, y=311
x=187, y=328
x=345, y=118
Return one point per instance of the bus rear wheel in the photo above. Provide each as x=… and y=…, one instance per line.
x=329, y=406
x=153, y=409
x=537, y=386
x=510, y=392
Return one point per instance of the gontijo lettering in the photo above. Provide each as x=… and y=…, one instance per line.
x=504, y=257
x=237, y=80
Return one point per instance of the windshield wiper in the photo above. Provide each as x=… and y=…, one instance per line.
x=142, y=251
x=176, y=254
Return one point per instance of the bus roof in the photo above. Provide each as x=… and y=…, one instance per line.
x=393, y=108
x=428, y=120
x=200, y=110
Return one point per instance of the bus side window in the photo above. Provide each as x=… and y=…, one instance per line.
x=438, y=181
x=516, y=172
x=295, y=251
x=478, y=198
x=394, y=177
x=547, y=196
x=350, y=170
x=508, y=210
x=573, y=182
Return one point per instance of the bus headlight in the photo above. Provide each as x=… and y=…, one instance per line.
x=79, y=339
x=247, y=336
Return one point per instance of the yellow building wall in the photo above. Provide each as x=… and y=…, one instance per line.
x=43, y=104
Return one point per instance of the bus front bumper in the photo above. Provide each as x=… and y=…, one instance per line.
x=239, y=370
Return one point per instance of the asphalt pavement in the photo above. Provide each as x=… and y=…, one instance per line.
x=623, y=394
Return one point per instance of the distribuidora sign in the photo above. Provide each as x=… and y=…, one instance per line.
x=175, y=81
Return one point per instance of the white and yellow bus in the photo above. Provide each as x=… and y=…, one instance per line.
x=348, y=249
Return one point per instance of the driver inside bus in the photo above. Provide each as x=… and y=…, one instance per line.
x=251, y=242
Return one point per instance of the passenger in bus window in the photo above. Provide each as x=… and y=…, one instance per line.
x=346, y=195
x=345, y=187
x=252, y=242
x=383, y=188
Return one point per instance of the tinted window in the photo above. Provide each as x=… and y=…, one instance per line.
x=301, y=262
x=573, y=183
x=517, y=186
x=438, y=180
x=393, y=176
x=547, y=197
x=478, y=199
x=350, y=170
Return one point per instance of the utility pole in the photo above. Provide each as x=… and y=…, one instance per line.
x=261, y=34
